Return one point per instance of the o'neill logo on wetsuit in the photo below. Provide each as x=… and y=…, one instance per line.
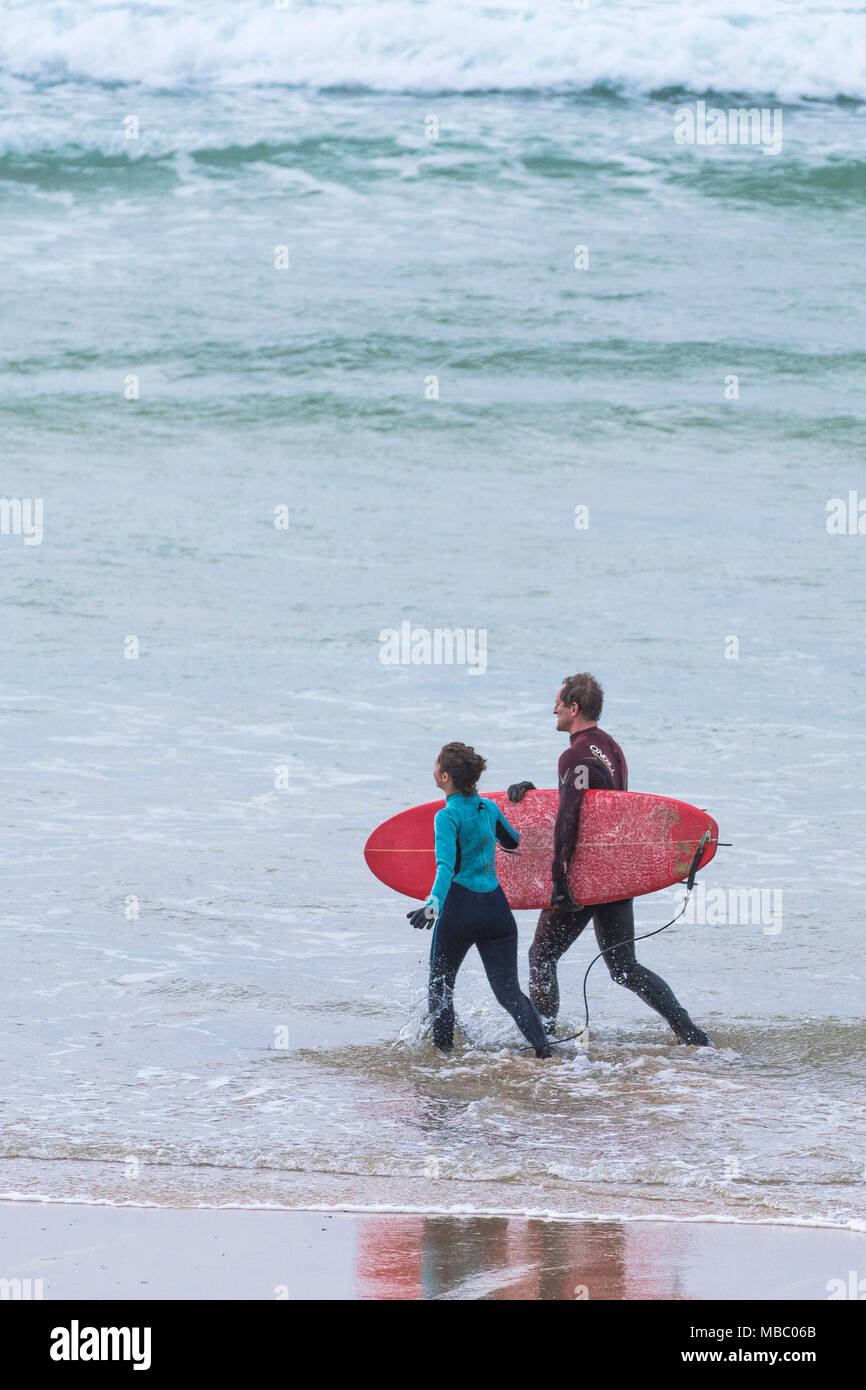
x=594, y=748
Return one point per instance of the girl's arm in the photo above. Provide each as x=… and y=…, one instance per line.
x=445, y=842
x=504, y=830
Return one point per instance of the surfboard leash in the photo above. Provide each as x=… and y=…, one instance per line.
x=690, y=883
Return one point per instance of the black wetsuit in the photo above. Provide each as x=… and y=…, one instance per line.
x=594, y=760
x=484, y=920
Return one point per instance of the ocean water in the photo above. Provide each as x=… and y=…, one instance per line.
x=206, y=996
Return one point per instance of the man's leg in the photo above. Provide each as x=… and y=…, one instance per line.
x=614, y=928
x=499, y=957
x=446, y=956
x=556, y=931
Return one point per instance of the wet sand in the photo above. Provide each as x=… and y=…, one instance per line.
x=103, y=1252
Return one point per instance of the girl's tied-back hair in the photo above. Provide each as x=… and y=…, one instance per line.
x=463, y=765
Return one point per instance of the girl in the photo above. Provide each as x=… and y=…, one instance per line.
x=471, y=906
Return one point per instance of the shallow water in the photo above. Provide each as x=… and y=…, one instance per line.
x=141, y=1057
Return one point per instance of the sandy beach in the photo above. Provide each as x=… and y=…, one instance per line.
x=104, y=1252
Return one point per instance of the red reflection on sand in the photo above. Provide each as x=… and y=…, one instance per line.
x=433, y=1257
x=388, y=1260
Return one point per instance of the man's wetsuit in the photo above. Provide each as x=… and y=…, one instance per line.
x=594, y=760
x=474, y=912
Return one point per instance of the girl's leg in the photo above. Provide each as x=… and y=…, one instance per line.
x=499, y=955
x=446, y=956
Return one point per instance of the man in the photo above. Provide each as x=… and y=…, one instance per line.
x=592, y=759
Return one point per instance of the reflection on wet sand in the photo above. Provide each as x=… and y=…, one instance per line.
x=492, y=1257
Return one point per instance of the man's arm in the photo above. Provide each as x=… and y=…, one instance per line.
x=573, y=782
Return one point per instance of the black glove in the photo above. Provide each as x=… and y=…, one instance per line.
x=422, y=917
x=561, y=897
x=518, y=790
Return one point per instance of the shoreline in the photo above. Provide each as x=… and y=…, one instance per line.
x=133, y=1184
x=855, y=1226
x=96, y=1251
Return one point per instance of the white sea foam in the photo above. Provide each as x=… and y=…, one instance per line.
x=818, y=1223
x=811, y=48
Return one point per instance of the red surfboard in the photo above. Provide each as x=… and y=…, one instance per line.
x=630, y=843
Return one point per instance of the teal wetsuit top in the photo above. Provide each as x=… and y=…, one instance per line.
x=466, y=831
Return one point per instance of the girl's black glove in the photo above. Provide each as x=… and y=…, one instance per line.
x=422, y=917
